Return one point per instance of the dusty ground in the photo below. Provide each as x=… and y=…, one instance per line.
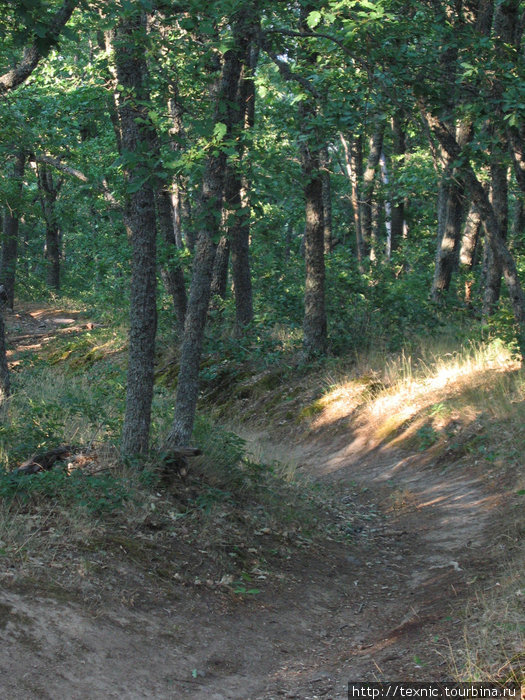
x=387, y=606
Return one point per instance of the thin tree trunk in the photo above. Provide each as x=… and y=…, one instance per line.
x=171, y=270
x=10, y=231
x=138, y=136
x=388, y=206
x=327, y=199
x=219, y=280
x=488, y=217
x=469, y=247
x=40, y=48
x=354, y=170
x=314, y=321
x=499, y=201
x=246, y=37
x=208, y=217
x=5, y=385
x=452, y=217
x=48, y=192
x=398, y=205
x=375, y=148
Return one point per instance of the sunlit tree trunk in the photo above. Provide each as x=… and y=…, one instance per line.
x=369, y=177
x=353, y=152
x=453, y=193
x=398, y=204
x=469, y=248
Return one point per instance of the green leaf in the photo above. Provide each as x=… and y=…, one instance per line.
x=313, y=19
x=219, y=131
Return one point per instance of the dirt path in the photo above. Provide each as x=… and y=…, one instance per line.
x=387, y=606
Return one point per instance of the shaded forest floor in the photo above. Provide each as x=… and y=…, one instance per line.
x=147, y=615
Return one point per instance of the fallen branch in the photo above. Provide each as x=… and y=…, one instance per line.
x=43, y=461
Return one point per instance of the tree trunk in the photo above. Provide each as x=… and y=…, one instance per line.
x=354, y=171
x=398, y=204
x=488, y=217
x=5, y=385
x=219, y=280
x=314, y=322
x=10, y=231
x=171, y=270
x=451, y=214
x=469, y=247
x=208, y=216
x=375, y=148
x=48, y=192
x=327, y=199
x=499, y=201
x=138, y=136
x=178, y=186
x=39, y=49
x=385, y=179
x=238, y=190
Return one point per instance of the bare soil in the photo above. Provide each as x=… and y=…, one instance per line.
x=387, y=605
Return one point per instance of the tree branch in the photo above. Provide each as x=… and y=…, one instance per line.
x=103, y=187
x=34, y=53
x=287, y=73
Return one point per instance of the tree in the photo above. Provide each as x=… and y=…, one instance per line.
x=139, y=150
x=41, y=45
x=208, y=217
x=10, y=231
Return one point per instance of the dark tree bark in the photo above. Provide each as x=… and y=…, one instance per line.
x=38, y=50
x=138, y=136
x=518, y=221
x=239, y=235
x=493, y=265
x=219, y=280
x=10, y=234
x=314, y=323
x=5, y=385
x=488, y=217
x=208, y=218
x=246, y=33
x=369, y=176
x=48, y=190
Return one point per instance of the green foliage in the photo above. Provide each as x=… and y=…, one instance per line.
x=97, y=494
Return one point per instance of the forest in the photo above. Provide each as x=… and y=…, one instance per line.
x=261, y=288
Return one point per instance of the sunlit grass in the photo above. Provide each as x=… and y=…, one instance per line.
x=394, y=396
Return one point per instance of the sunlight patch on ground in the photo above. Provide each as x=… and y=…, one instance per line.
x=438, y=391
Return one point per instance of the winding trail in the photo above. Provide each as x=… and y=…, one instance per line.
x=388, y=606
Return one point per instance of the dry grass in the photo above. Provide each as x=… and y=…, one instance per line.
x=407, y=394
x=494, y=634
